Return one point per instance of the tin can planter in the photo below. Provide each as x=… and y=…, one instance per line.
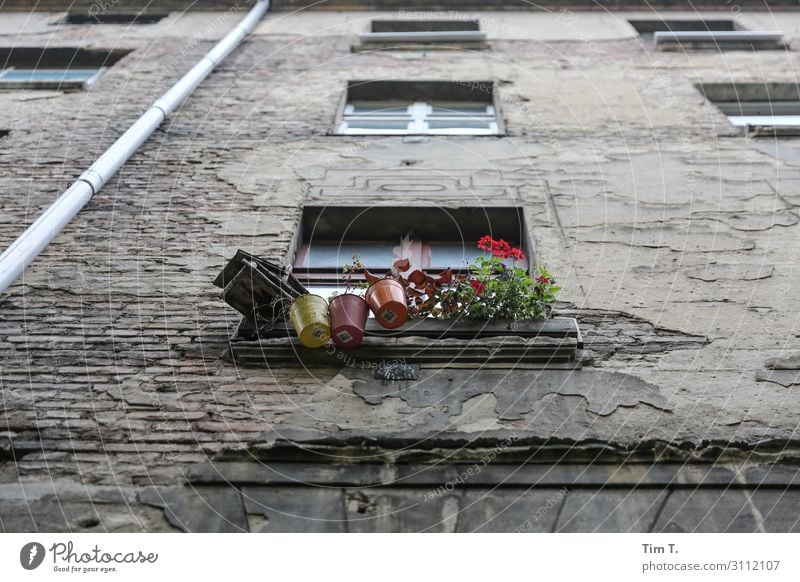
x=387, y=299
x=348, y=318
x=309, y=317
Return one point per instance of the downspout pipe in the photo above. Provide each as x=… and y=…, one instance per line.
x=34, y=240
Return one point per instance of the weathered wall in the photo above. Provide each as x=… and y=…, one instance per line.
x=360, y=5
x=675, y=241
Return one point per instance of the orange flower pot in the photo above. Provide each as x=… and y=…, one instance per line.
x=387, y=300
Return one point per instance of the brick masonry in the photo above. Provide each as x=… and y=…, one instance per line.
x=675, y=241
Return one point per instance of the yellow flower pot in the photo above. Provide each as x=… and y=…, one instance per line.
x=309, y=317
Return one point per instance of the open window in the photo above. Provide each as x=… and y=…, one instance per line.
x=416, y=34
x=760, y=109
x=431, y=238
x=717, y=34
x=419, y=108
x=61, y=69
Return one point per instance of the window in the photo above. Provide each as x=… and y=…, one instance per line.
x=63, y=79
x=62, y=69
x=646, y=28
x=431, y=238
x=420, y=107
x=96, y=17
x=705, y=34
x=758, y=108
x=400, y=32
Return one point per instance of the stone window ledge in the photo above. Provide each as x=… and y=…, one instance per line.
x=534, y=344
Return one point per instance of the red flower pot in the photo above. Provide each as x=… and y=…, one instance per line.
x=348, y=317
x=387, y=299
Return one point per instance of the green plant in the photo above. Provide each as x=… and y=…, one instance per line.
x=422, y=290
x=354, y=282
x=494, y=289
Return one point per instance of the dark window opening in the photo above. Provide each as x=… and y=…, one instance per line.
x=766, y=109
x=648, y=27
x=424, y=25
x=419, y=108
x=96, y=17
x=423, y=34
x=431, y=238
x=723, y=34
x=59, y=57
x=54, y=68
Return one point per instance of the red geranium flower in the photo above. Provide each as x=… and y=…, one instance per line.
x=543, y=279
x=500, y=248
x=516, y=254
x=478, y=287
x=485, y=243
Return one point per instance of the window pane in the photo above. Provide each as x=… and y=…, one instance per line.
x=458, y=255
x=325, y=291
x=771, y=120
x=336, y=255
x=371, y=108
x=760, y=108
x=376, y=124
x=52, y=75
x=459, y=109
x=459, y=123
x=455, y=255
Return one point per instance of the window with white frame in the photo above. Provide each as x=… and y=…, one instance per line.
x=54, y=68
x=63, y=79
x=758, y=108
x=420, y=107
x=716, y=34
x=425, y=32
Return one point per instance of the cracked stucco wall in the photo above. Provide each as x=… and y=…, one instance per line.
x=675, y=241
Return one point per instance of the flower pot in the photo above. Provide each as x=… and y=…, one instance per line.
x=387, y=299
x=309, y=317
x=348, y=317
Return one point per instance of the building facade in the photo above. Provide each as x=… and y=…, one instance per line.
x=643, y=169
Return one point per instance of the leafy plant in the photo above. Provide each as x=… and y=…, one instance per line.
x=351, y=275
x=493, y=287
x=497, y=289
x=422, y=290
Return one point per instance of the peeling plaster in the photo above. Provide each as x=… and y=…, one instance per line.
x=515, y=391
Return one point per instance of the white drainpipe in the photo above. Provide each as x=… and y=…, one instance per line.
x=33, y=241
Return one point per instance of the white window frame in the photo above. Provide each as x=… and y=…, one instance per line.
x=43, y=84
x=780, y=115
x=719, y=38
x=417, y=117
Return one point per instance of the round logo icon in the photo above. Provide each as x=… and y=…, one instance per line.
x=31, y=555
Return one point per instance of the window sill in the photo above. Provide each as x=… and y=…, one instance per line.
x=65, y=86
x=551, y=343
x=371, y=46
